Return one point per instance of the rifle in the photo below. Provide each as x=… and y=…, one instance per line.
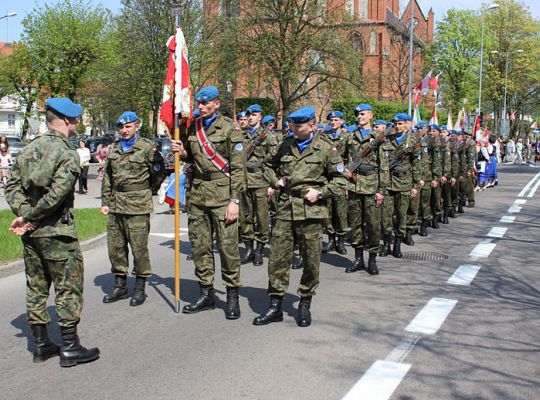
x=400, y=156
x=256, y=142
x=374, y=144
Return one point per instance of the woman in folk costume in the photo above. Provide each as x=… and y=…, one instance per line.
x=482, y=144
x=491, y=167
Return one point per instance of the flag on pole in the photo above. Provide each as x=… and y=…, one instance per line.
x=434, y=84
x=434, y=117
x=512, y=116
x=449, y=123
x=416, y=111
x=423, y=86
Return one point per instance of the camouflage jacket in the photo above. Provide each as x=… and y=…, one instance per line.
x=131, y=177
x=436, y=160
x=407, y=173
x=373, y=175
x=209, y=186
x=471, y=157
x=317, y=167
x=41, y=186
x=255, y=162
x=426, y=162
x=338, y=143
x=456, y=159
x=446, y=159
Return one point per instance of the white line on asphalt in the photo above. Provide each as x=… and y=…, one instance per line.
x=464, y=275
x=379, y=381
x=482, y=249
x=497, y=232
x=514, y=209
x=533, y=190
x=404, y=347
x=520, y=201
x=507, y=218
x=524, y=190
x=431, y=317
x=167, y=235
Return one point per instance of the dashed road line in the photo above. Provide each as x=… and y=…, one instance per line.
x=482, y=249
x=464, y=275
x=432, y=316
x=528, y=185
x=514, y=209
x=497, y=232
x=533, y=190
x=507, y=219
x=404, y=347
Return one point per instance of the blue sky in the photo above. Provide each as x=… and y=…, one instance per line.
x=11, y=28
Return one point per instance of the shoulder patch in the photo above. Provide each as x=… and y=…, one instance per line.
x=340, y=168
x=239, y=147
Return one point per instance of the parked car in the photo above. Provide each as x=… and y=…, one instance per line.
x=15, y=145
x=163, y=145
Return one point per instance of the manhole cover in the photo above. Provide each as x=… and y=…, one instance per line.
x=424, y=256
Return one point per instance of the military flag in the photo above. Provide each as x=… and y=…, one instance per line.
x=449, y=123
x=434, y=116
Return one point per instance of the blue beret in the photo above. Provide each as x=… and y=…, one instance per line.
x=443, y=128
x=241, y=114
x=64, y=106
x=334, y=114
x=206, y=94
x=254, y=108
x=401, y=117
x=422, y=124
x=380, y=122
x=302, y=115
x=363, y=107
x=126, y=118
x=196, y=113
x=434, y=126
x=267, y=119
x=458, y=132
x=286, y=124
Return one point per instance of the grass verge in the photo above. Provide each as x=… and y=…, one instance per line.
x=89, y=222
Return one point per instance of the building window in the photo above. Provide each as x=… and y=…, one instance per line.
x=373, y=43
x=357, y=42
x=11, y=120
x=363, y=9
x=349, y=7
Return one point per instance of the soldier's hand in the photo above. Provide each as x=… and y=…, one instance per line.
x=104, y=210
x=231, y=213
x=346, y=195
x=312, y=195
x=379, y=199
x=468, y=174
x=348, y=173
x=280, y=183
x=434, y=184
x=269, y=193
x=178, y=147
x=19, y=227
x=414, y=192
x=453, y=181
x=422, y=183
x=444, y=179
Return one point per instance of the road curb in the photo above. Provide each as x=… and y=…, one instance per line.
x=15, y=267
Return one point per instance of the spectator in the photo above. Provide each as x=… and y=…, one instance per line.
x=84, y=155
x=510, y=152
x=101, y=155
x=5, y=163
x=519, y=151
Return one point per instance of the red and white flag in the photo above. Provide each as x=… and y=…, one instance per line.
x=512, y=116
x=177, y=87
x=423, y=86
x=434, y=84
x=434, y=117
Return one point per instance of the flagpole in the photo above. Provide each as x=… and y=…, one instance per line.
x=411, y=39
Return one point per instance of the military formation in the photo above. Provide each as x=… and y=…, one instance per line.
x=374, y=184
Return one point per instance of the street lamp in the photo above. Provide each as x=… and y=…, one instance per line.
x=504, y=115
x=8, y=15
x=482, y=11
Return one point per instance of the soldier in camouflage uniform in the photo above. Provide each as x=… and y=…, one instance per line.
x=470, y=146
x=260, y=143
x=404, y=164
x=133, y=171
x=305, y=171
x=457, y=170
x=366, y=188
x=214, y=200
x=437, y=170
x=40, y=193
x=242, y=120
x=336, y=224
x=446, y=180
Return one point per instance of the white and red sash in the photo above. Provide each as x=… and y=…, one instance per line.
x=209, y=150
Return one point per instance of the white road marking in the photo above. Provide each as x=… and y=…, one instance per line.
x=404, y=347
x=379, y=381
x=167, y=235
x=482, y=249
x=520, y=201
x=431, y=317
x=514, y=209
x=533, y=190
x=464, y=275
x=507, y=218
x=497, y=232
x=524, y=190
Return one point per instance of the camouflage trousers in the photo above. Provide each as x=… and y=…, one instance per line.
x=204, y=223
x=419, y=207
x=58, y=261
x=469, y=189
x=395, y=213
x=309, y=235
x=447, y=194
x=436, y=199
x=337, y=223
x=132, y=230
x=254, y=226
x=455, y=193
x=365, y=222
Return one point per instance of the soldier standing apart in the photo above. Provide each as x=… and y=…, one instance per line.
x=336, y=224
x=260, y=143
x=366, y=189
x=404, y=179
x=214, y=146
x=40, y=193
x=133, y=171
x=305, y=172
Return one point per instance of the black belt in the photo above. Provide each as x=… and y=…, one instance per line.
x=253, y=166
x=209, y=176
x=366, y=173
x=399, y=174
x=297, y=192
x=131, y=188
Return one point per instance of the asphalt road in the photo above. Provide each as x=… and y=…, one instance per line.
x=405, y=334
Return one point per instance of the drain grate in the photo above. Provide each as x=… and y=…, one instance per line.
x=424, y=256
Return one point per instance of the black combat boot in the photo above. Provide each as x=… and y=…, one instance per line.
x=233, y=303
x=139, y=296
x=298, y=264
x=258, y=254
x=331, y=245
x=452, y=212
x=397, y=247
x=71, y=352
x=460, y=207
x=341, y=245
x=385, y=250
x=204, y=302
x=435, y=222
x=45, y=349
x=358, y=263
x=273, y=314
x=408, y=240
x=445, y=216
x=372, y=264
x=120, y=290
x=304, y=315
x=250, y=255
x=423, y=227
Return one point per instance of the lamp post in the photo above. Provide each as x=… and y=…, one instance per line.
x=8, y=15
x=482, y=11
x=504, y=115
